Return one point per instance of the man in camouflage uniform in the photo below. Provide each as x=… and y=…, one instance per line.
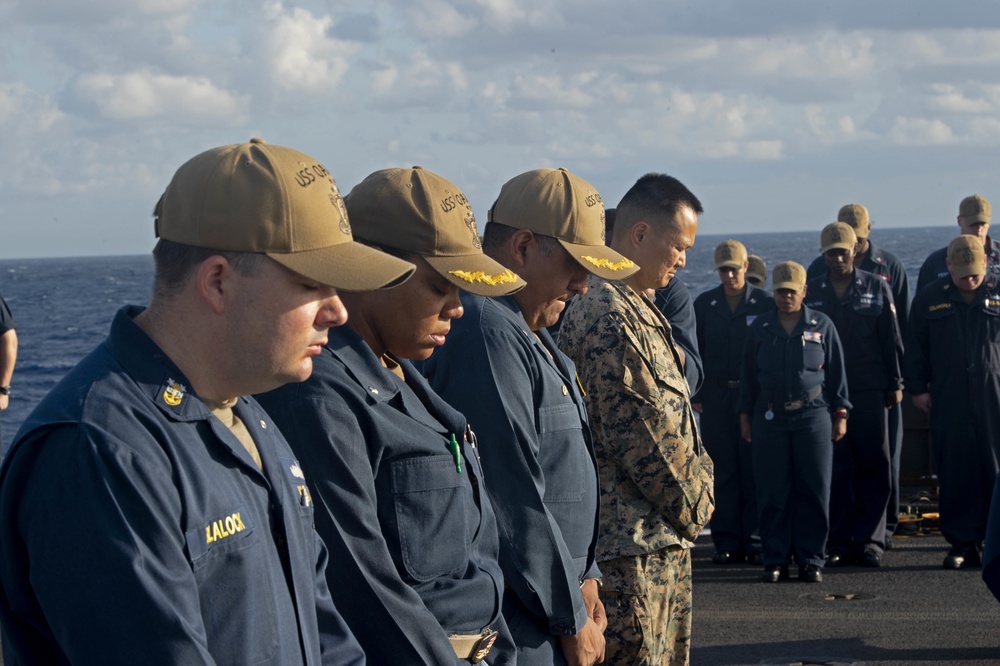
x=656, y=479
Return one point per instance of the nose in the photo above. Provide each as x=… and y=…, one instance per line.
x=453, y=308
x=332, y=311
x=682, y=259
x=578, y=284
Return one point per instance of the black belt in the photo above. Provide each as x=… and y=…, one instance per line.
x=795, y=405
x=727, y=383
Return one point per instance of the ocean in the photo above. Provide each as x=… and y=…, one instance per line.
x=63, y=307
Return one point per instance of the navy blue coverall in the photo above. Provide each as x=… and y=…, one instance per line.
x=721, y=335
x=792, y=448
x=521, y=394
x=888, y=267
x=674, y=301
x=873, y=351
x=953, y=352
x=413, y=539
x=136, y=529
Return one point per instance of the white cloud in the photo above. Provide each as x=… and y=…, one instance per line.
x=537, y=91
x=301, y=53
x=145, y=94
x=920, y=132
x=947, y=97
x=26, y=110
x=438, y=19
x=417, y=81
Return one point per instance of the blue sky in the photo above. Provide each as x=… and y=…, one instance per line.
x=774, y=113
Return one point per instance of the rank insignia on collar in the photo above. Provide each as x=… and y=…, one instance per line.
x=173, y=393
x=296, y=471
x=713, y=302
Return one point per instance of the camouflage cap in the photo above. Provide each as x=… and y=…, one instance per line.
x=974, y=208
x=730, y=254
x=556, y=203
x=837, y=236
x=856, y=216
x=789, y=275
x=966, y=256
x=418, y=211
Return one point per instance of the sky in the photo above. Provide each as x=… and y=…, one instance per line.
x=774, y=113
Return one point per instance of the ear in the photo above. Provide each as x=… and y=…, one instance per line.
x=746, y=265
x=213, y=282
x=520, y=246
x=639, y=232
x=805, y=290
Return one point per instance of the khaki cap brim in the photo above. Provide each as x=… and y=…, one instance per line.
x=601, y=260
x=967, y=270
x=348, y=266
x=477, y=274
x=794, y=286
x=979, y=218
x=837, y=246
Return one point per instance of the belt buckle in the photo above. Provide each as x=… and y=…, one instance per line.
x=483, y=646
x=794, y=405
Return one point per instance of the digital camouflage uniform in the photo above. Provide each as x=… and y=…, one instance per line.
x=656, y=479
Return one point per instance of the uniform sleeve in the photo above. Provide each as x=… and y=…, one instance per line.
x=98, y=531
x=928, y=272
x=6, y=318
x=337, y=644
x=834, y=374
x=646, y=425
x=674, y=301
x=890, y=340
x=699, y=327
x=383, y=611
x=749, y=384
x=816, y=268
x=485, y=373
x=901, y=296
x=916, y=364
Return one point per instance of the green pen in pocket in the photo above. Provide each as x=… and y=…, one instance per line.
x=457, y=452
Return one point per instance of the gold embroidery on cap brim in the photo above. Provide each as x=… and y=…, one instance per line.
x=479, y=276
x=610, y=265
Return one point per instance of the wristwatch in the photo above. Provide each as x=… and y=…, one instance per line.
x=5, y=390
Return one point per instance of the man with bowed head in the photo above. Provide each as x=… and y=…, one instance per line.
x=656, y=478
x=501, y=368
x=952, y=372
x=723, y=315
x=149, y=510
x=862, y=309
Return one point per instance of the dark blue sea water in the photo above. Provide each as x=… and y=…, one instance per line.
x=63, y=306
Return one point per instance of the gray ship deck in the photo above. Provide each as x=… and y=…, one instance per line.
x=909, y=611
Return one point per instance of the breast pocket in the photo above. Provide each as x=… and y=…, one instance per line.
x=562, y=452
x=228, y=555
x=430, y=499
x=812, y=355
